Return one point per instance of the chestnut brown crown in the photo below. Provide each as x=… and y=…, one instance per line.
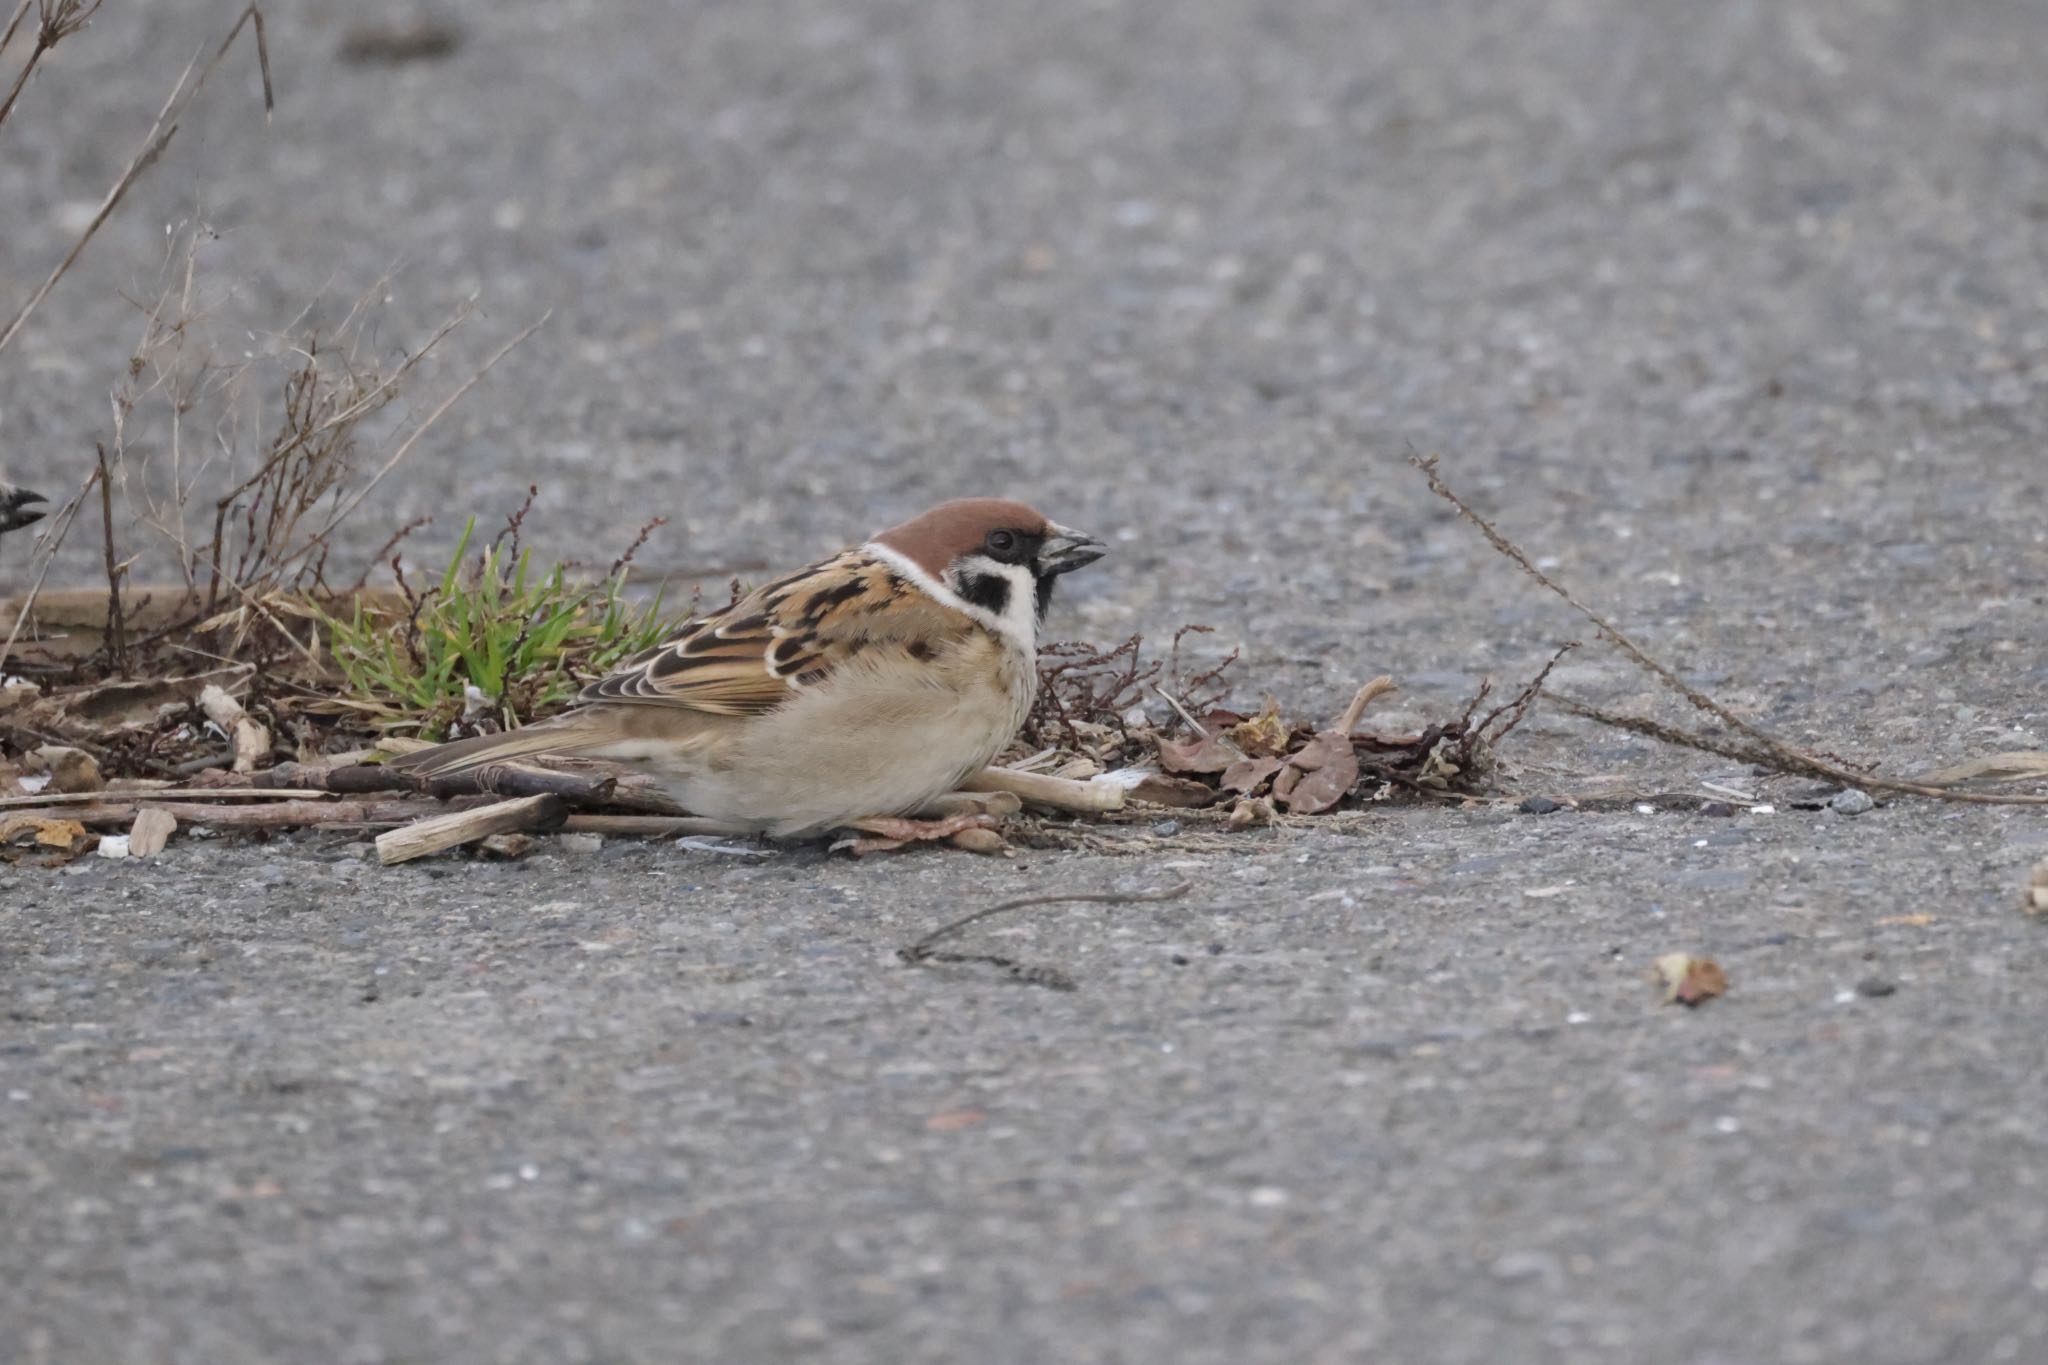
x=933, y=540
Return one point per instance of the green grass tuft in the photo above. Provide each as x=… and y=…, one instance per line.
x=527, y=642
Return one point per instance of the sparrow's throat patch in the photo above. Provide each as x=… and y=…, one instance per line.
x=985, y=590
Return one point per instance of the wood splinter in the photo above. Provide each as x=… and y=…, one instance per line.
x=251, y=740
x=1059, y=793
x=523, y=814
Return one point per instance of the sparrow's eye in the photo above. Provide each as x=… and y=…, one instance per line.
x=1002, y=544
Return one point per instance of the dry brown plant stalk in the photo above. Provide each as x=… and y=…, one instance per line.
x=153, y=143
x=56, y=20
x=1765, y=749
x=926, y=950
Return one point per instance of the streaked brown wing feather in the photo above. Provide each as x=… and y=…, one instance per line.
x=783, y=637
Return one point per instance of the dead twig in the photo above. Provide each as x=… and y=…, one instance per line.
x=1366, y=695
x=46, y=546
x=440, y=832
x=516, y=779
x=153, y=143
x=1764, y=750
x=56, y=20
x=117, y=633
x=251, y=739
x=1201, y=731
x=1760, y=757
x=412, y=439
x=1041, y=789
x=925, y=949
x=272, y=815
x=183, y=794
x=1518, y=708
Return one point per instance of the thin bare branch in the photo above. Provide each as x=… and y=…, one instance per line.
x=7, y=35
x=1743, y=751
x=405, y=447
x=159, y=136
x=117, y=631
x=921, y=950
x=46, y=546
x=1768, y=750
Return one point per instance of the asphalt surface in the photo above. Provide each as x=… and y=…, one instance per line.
x=1736, y=315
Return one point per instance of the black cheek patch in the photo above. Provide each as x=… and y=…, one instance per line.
x=919, y=650
x=986, y=591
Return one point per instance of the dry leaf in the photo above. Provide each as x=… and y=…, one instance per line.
x=1249, y=774
x=978, y=839
x=1162, y=790
x=953, y=1120
x=2037, y=889
x=1251, y=810
x=888, y=833
x=1920, y=921
x=58, y=841
x=1689, y=980
x=119, y=705
x=1317, y=776
x=1264, y=733
x=1440, y=767
x=1211, y=755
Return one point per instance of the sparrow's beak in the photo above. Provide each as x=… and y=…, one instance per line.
x=14, y=508
x=1066, y=550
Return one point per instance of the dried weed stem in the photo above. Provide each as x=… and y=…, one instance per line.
x=1764, y=749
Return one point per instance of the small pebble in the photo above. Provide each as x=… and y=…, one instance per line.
x=507, y=846
x=1539, y=805
x=1876, y=987
x=579, y=843
x=1717, y=808
x=1851, y=801
x=1166, y=829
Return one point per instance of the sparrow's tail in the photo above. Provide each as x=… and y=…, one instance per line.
x=569, y=735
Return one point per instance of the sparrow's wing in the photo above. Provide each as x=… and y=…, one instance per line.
x=785, y=636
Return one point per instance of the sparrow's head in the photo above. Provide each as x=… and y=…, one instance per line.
x=998, y=557
x=14, y=507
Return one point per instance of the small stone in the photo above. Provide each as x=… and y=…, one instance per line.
x=1720, y=809
x=508, y=846
x=153, y=827
x=1166, y=829
x=1851, y=801
x=579, y=843
x=1539, y=805
x=1876, y=987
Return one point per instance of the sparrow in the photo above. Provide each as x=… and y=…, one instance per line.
x=864, y=685
x=14, y=507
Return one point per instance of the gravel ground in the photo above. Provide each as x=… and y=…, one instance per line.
x=1735, y=314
